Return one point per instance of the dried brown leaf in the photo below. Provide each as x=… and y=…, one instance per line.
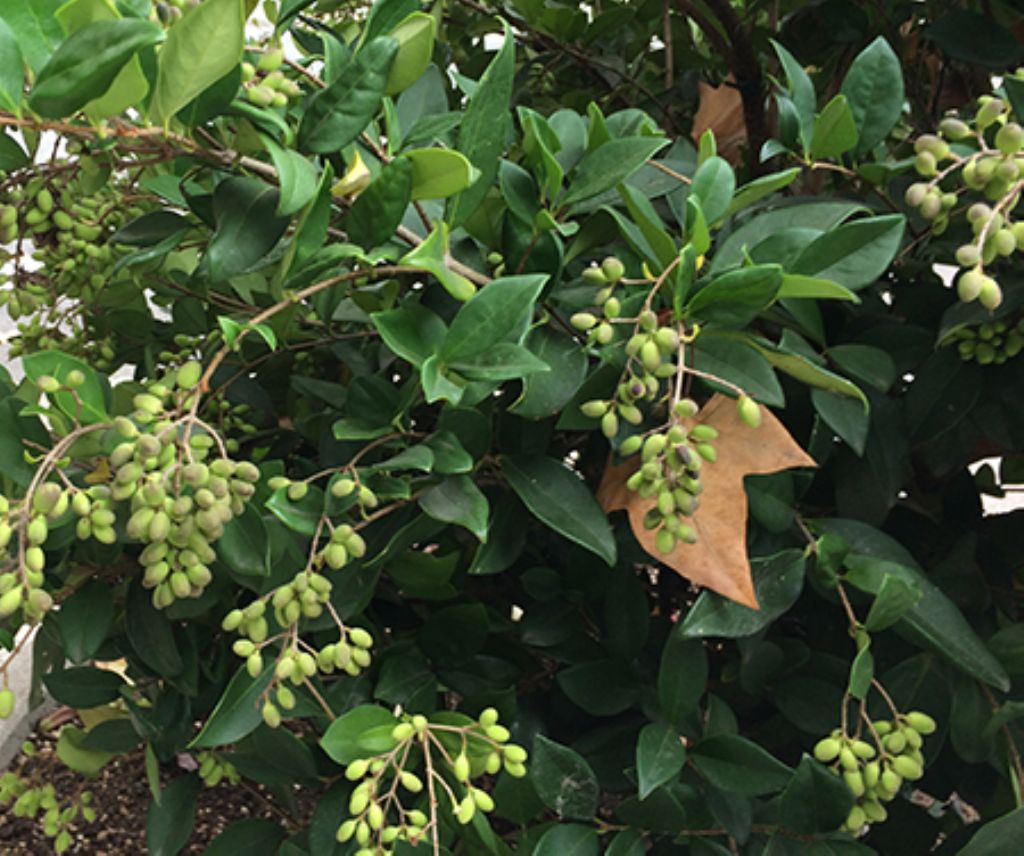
x=719, y=558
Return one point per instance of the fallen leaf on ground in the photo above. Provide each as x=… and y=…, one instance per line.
x=718, y=560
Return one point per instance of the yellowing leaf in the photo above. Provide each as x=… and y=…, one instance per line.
x=718, y=560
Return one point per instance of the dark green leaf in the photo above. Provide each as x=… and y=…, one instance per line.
x=735, y=298
x=854, y=254
x=150, y=633
x=337, y=115
x=561, y=500
x=778, y=582
x=739, y=766
x=12, y=155
x=846, y=416
x=862, y=672
x=84, y=686
x=253, y=836
x=458, y=500
x=660, y=755
x=302, y=516
x=605, y=167
x=874, y=91
x=545, y=393
x=601, y=688
x=815, y=800
x=379, y=209
x=740, y=364
x=150, y=229
x=502, y=361
x=564, y=781
x=997, y=837
x=682, y=676
x=247, y=226
x=296, y=177
x=412, y=331
x=761, y=187
x=801, y=92
x=86, y=63
x=976, y=38
x=491, y=316
x=201, y=48
x=170, y=820
x=84, y=619
x=568, y=839
x=237, y=713
x=484, y=128
x=244, y=547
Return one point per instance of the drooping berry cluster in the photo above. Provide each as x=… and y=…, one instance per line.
x=391, y=802
x=991, y=343
x=265, y=84
x=875, y=771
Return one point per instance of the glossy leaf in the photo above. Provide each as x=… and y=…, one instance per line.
x=603, y=168
x=458, y=500
x=335, y=116
x=379, y=209
x=660, y=755
x=714, y=183
x=835, y=131
x=439, y=173
x=560, y=500
x=201, y=48
x=739, y=766
x=296, y=177
x=412, y=331
x=171, y=819
x=84, y=686
x=815, y=801
x=564, y=781
x=736, y=298
x=415, y=37
x=682, y=676
x=568, y=840
x=12, y=70
x=856, y=253
x=874, y=91
x=493, y=315
x=248, y=227
x=84, y=620
x=357, y=733
x=237, y=712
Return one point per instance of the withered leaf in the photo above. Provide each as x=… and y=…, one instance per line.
x=719, y=558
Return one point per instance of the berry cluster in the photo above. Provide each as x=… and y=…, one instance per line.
x=265, y=84
x=991, y=343
x=59, y=225
x=965, y=159
x=213, y=769
x=874, y=772
x=452, y=756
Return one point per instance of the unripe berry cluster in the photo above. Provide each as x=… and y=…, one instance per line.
x=265, y=84
x=964, y=160
x=452, y=756
x=991, y=343
x=213, y=769
x=874, y=772
x=61, y=223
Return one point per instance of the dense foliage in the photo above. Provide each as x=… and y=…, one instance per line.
x=342, y=349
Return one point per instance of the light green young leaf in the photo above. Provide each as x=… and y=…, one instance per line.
x=415, y=37
x=12, y=70
x=439, y=173
x=201, y=48
x=431, y=256
x=835, y=132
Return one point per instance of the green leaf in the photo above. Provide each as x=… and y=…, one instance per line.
x=439, y=173
x=545, y=393
x=997, y=837
x=862, y=672
x=201, y=48
x=503, y=361
x=611, y=163
x=845, y=416
x=801, y=92
x=735, y=298
x=713, y=184
x=432, y=255
x=12, y=155
x=150, y=229
x=796, y=286
x=12, y=70
x=247, y=226
x=237, y=713
x=36, y=28
x=895, y=596
x=253, y=836
x=90, y=405
x=600, y=687
x=563, y=780
x=358, y=733
x=567, y=839
x=808, y=372
x=975, y=38
x=303, y=516
x=86, y=63
x=296, y=177
x=738, y=766
x=738, y=363
x=84, y=620
x=171, y=819
x=485, y=126
x=84, y=686
x=245, y=547
x=495, y=313
x=150, y=633
x=660, y=755
x=778, y=582
x=458, y=500
x=378, y=210
x=75, y=756
x=335, y=116
x=835, y=132
x=628, y=842
x=874, y=91
x=15, y=428
x=934, y=619
x=450, y=457
x=760, y=188
x=412, y=331
x=815, y=801
x=415, y=37
x=855, y=254
x=682, y=676
x=560, y=500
